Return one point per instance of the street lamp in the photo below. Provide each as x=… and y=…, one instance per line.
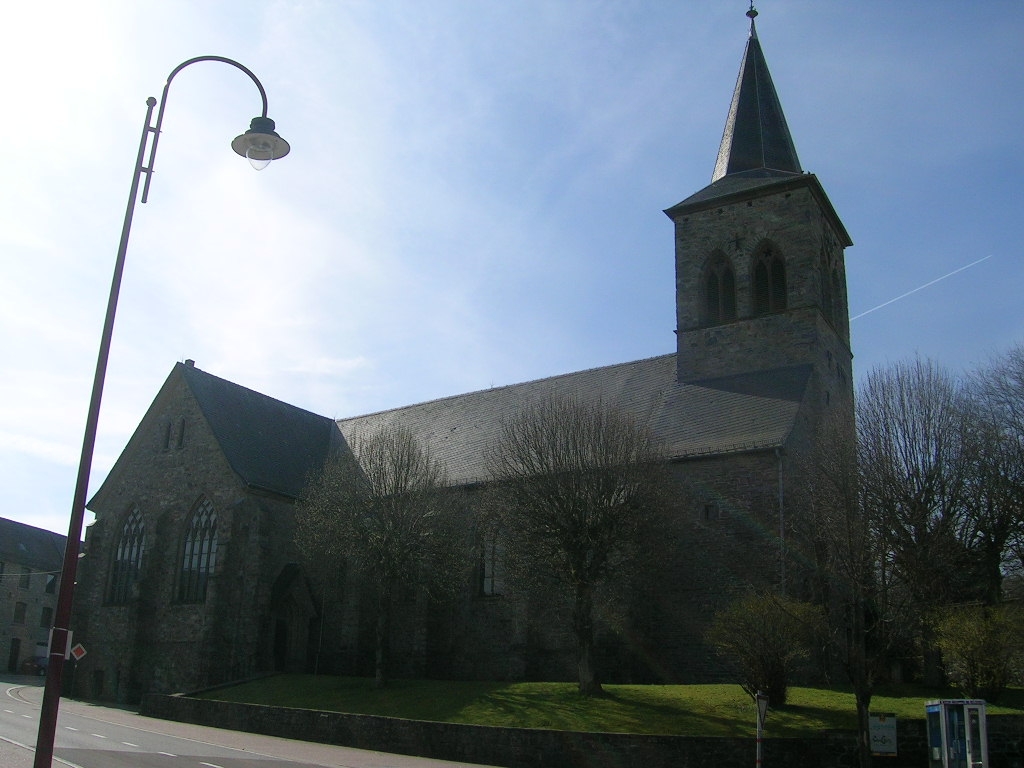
x=260, y=144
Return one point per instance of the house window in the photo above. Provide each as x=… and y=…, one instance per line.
x=769, y=283
x=711, y=511
x=490, y=568
x=46, y=617
x=19, y=612
x=25, y=581
x=127, y=560
x=199, y=554
x=51, y=583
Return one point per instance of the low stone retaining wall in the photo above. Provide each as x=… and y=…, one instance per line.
x=529, y=748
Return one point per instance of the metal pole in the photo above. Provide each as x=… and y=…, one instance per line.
x=762, y=707
x=65, y=596
x=61, y=634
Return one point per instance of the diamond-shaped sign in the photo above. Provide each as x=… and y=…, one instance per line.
x=77, y=652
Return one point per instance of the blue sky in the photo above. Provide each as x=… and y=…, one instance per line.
x=474, y=195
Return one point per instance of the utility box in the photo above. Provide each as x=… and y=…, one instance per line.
x=957, y=733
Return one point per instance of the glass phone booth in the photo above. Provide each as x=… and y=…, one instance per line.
x=957, y=734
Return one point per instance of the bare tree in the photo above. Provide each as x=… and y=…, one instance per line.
x=578, y=485
x=915, y=456
x=383, y=507
x=846, y=539
x=994, y=525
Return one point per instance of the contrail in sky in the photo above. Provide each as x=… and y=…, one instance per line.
x=922, y=287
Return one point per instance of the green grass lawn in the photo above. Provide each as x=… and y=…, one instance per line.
x=705, y=710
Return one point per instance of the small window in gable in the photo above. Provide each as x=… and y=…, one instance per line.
x=174, y=434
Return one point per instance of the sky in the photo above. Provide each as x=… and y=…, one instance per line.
x=474, y=195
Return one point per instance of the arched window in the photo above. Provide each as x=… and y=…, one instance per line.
x=839, y=308
x=199, y=554
x=769, y=282
x=827, y=304
x=719, y=292
x=126, y=560
x=491, y=571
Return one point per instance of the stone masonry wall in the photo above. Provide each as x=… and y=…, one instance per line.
x=794, y=225
x=154, y=642
x=530, y=748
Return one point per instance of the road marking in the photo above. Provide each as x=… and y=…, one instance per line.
x=129, y=744
x=27, y=717
x=69, y=728
x=9, y=711
x=99, y=736
x=212, y=765
x=166, y=753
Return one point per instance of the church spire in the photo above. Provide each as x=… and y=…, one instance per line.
x=756, y=137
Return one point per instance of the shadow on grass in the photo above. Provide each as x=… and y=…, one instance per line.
x=695, y=710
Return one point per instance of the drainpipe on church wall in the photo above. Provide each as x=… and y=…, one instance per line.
x=782, y=525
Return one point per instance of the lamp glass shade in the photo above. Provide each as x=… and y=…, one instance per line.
x=260, y=144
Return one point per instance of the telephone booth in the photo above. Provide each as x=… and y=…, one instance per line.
x=957, y=733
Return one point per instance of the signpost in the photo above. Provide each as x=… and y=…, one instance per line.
x=762, y=709
x=882, y=728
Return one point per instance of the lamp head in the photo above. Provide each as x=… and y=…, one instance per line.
x=260, y=144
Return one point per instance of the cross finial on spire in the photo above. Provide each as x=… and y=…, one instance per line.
x=751, y=14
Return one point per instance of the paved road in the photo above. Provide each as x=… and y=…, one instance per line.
x=90, y=736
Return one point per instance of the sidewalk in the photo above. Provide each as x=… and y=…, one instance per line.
x=14, y=754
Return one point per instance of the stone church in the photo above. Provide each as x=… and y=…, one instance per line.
x=191, y=577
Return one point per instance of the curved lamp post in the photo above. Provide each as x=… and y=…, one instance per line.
x=260, y=144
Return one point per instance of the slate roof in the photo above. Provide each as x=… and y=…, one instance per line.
x=721, y=415
x=32, y=547
x=756, y=135
x=270, y=444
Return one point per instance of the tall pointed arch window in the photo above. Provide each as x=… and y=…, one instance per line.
x=199, y=553
x=491, y=572
x=719, y=291
x=827, y=301
x=769, y=282
x=126, y=561
x=838, y=304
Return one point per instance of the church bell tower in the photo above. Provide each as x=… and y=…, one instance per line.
x=760, y=272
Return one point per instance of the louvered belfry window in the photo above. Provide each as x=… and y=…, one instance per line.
x=719, y=293
x=199, y=554
x=769, y=283
x=127, y=559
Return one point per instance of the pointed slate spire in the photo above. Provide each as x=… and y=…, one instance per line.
x=756, y=136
